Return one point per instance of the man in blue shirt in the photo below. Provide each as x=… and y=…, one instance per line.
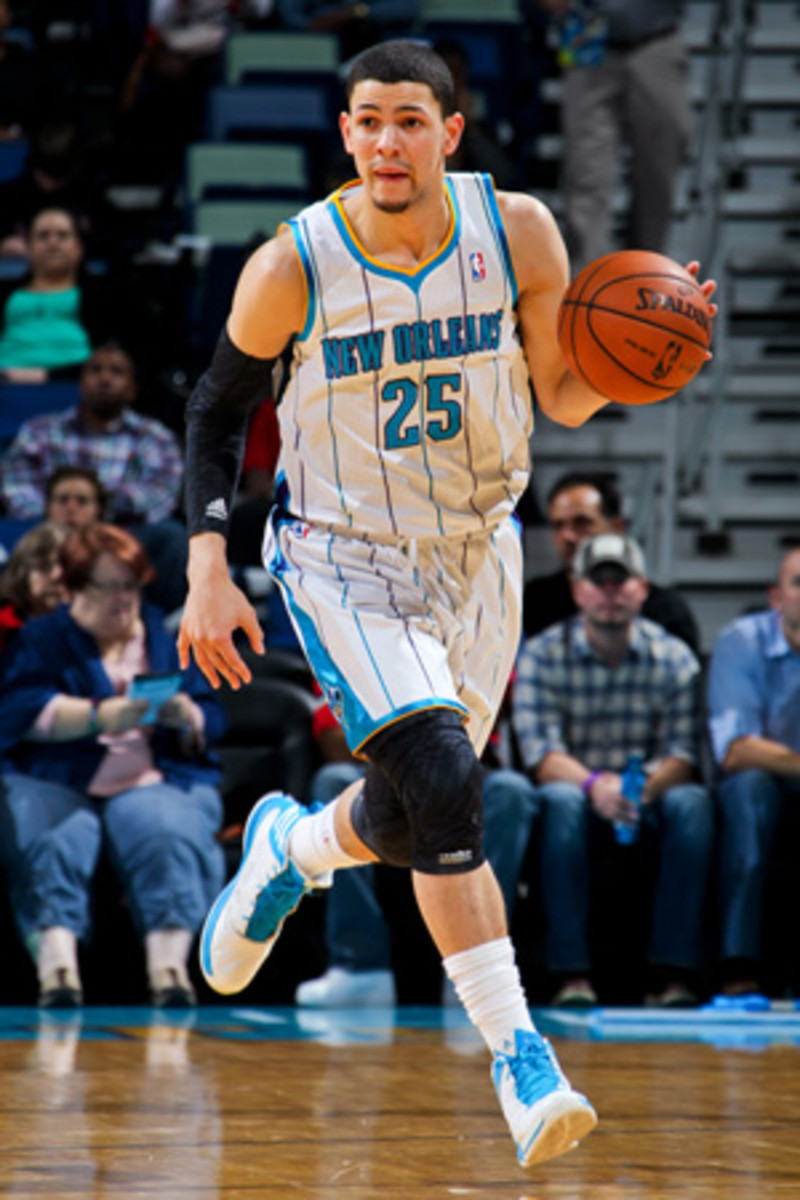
x=754, y=707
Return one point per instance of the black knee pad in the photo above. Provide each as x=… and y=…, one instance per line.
x=436, y=784
x=380, y=821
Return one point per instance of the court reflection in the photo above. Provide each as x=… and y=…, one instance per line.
x=109, y=1113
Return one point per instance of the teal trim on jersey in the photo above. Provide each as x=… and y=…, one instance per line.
x=418, y=706
x=496, y=221
x=413, y=279
x=305, y=262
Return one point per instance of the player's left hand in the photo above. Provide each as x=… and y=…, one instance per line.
x=708, y=287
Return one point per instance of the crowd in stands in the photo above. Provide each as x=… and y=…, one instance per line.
x=107, y=751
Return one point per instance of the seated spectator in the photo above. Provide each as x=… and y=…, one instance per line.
x=480, y=148
x=581, y=505
x=56, y=175
x=82, y=762
x=589, y=692
x=754, y=702
x=137, y=460
x=74, y=497
x=32, y=581
x=358, y=932
x=50, y=319
x=357, y=26
x=19, y=90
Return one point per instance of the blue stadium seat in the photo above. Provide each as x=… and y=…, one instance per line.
x=21, y=401
x=12, y=159
x=272, y=110
x=11, y=530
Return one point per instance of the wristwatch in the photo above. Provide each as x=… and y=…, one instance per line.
x=93, y=728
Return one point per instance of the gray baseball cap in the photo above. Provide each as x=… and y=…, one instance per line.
x=609, y=549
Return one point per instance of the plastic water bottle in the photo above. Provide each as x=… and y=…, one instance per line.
x=633, y=781
x=583, y=35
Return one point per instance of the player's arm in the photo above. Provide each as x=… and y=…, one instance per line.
x=268, y=308
x=542, y=271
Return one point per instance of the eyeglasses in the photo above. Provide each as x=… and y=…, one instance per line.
x=113, y=587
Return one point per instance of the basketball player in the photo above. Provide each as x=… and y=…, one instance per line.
x=414, y=306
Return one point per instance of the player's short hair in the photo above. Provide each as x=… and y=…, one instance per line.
x=610, y=500
x=404, y=62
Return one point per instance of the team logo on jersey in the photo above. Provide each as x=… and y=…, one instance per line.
x=477, y=266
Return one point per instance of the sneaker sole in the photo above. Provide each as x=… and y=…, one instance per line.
x=258, y=814
x=567, y=1120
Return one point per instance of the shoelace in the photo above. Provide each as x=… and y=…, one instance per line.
x=527, y=1067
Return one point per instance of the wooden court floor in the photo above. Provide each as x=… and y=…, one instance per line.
x=225, y=1105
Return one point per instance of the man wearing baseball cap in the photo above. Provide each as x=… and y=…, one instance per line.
x=590, y=692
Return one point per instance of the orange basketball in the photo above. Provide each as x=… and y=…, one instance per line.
x=635, y=326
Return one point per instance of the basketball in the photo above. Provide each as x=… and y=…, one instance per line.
x=635, y=326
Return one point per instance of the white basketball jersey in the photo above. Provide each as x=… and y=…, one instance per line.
x=408, y=410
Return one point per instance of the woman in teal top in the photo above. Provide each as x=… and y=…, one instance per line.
x=46, y=326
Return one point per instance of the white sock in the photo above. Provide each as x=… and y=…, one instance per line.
x=56, y=947
x=314, y=847
x=168, y=949
x=488, y=985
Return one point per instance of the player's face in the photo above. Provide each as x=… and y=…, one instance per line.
x=574, y=515
x=399, y=141
x=785, y=597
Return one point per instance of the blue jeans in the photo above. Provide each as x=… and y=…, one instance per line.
x=160, y=838
x=683, y=821
x=356, y=931
x=750, y=803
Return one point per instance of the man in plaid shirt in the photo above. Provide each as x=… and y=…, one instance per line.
x=138, y=460
x=589, y=692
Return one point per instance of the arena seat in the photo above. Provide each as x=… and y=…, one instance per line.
x=21, y=401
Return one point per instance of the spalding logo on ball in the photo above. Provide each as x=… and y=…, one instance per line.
x=635, y=326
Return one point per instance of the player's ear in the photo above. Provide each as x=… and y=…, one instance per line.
x=454, y=127
x=344, y=129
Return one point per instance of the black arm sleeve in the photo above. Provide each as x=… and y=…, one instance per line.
x=216, y=430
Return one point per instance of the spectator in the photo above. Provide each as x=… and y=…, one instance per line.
x=74, y=497
x=32, y=581
x=580, y=505
x=358, y=929
x=50, y=319
x=82, y=761
x=137, y=460
x=754, y=701
x=356, y=25
x=19, y=94
x=624, y=78
x=590, y=692
x=480, y=148
x=57, y=175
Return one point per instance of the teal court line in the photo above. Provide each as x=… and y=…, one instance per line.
x=722, y=1026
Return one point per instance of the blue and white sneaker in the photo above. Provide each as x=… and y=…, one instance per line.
x=247, y=917
x=545, y=1115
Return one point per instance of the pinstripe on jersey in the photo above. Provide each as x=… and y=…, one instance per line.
x=408, y=411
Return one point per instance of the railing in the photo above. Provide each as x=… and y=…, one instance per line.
x=693, y=445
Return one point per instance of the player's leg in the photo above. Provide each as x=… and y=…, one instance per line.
x=246, y=919
x=432, y=768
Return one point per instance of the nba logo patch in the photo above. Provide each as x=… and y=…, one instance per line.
x=477, y=266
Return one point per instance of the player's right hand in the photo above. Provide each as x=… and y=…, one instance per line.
x=211, y=616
